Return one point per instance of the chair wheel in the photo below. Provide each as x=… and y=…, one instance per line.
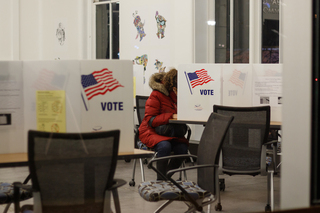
x=132, y=183
x=127, y=160
x=222, y=184
x=145, y=161
x=218, y=207
x=267, y=208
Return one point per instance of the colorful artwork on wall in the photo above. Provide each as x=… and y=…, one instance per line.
x=161, y=25
x=142, y=60
x=139, y=25
x=159, y=66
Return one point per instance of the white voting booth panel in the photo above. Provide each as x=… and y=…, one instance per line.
x=111, y=107
x=51, y=76
x=199, y=88
x=11, y=107
x=231, y=85
x=267, y=88
x=107, y=109
x=237, y=85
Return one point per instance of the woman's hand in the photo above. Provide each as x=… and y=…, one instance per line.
x=175, y=116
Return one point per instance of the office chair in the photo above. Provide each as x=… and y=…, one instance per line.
x=244, y=147
x=72, y=172
x=140, y=109
x=7, y=195
x=206, y=190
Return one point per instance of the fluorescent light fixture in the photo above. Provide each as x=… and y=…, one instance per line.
x=211, y=23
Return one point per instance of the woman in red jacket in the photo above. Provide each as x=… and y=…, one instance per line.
x=160, y=107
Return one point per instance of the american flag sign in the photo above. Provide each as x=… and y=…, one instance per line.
x=49, y=80
x=99, y=83
x=238, y=78
x=199, y=77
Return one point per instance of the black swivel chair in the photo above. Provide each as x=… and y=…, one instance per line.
x=72, y=172
x=206, y=190
x=244, y=148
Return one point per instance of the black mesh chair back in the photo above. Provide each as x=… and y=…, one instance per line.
x=140, y=104
x=209, y=149
x=242, y=148
x=72, y=171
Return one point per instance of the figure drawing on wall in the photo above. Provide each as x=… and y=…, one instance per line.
x=142, y=60
x=161, y=25
x=159, y=67
x=61, y=34
x=139, y=25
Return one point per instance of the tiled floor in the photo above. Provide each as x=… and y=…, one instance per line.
x=242, y=193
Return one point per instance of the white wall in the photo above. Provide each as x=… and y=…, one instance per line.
x=30, y=29
x=174, y=49
x=9, y=24
x=296, y=140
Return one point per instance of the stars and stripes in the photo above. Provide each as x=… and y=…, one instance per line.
x=99, y=83
x=238, y=78
x=199, y=77
x=49, y=80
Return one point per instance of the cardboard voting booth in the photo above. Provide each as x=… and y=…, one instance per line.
x=108, y=104
x=199, y=88
x=65, y=96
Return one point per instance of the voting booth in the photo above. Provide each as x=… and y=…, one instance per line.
x=65, y=96
x=200, y=86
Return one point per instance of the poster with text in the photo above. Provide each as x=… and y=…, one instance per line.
x=267, y=88
x=51, y=110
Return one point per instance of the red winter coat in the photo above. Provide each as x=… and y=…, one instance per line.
x=162, y=105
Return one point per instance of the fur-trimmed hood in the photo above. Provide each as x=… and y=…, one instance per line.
x=155, y=83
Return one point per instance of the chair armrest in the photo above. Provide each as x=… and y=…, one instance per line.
x=16, y=194
x=271, y=142
x=154, y=159
x=114, y=188
x=117, y=183
x=184, y=156
x=190, y=168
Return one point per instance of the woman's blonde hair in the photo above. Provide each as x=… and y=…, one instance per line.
x=170, y=79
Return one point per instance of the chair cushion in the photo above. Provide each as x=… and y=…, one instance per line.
x=166, y=190
x=6, y=193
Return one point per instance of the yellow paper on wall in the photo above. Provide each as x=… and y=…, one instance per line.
x=51, y=110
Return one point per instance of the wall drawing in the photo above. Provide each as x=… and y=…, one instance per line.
x=61, y=34
x=161, y=25
x=159, y=67
x=139, y=25
x=142, y=60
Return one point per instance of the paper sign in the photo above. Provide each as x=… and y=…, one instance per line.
x=51, y=110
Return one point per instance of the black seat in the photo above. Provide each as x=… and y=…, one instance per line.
x=73, y=172
x=244, y=148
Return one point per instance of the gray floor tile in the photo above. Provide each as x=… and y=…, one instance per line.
x=242, y=193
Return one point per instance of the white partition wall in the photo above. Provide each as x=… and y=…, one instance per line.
x=107, y=98
x=199, y=88
x=51, y=76
x=11, y=107
x=229, y=85
x=65, y=96
x=297, y=75
x=237, y=85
